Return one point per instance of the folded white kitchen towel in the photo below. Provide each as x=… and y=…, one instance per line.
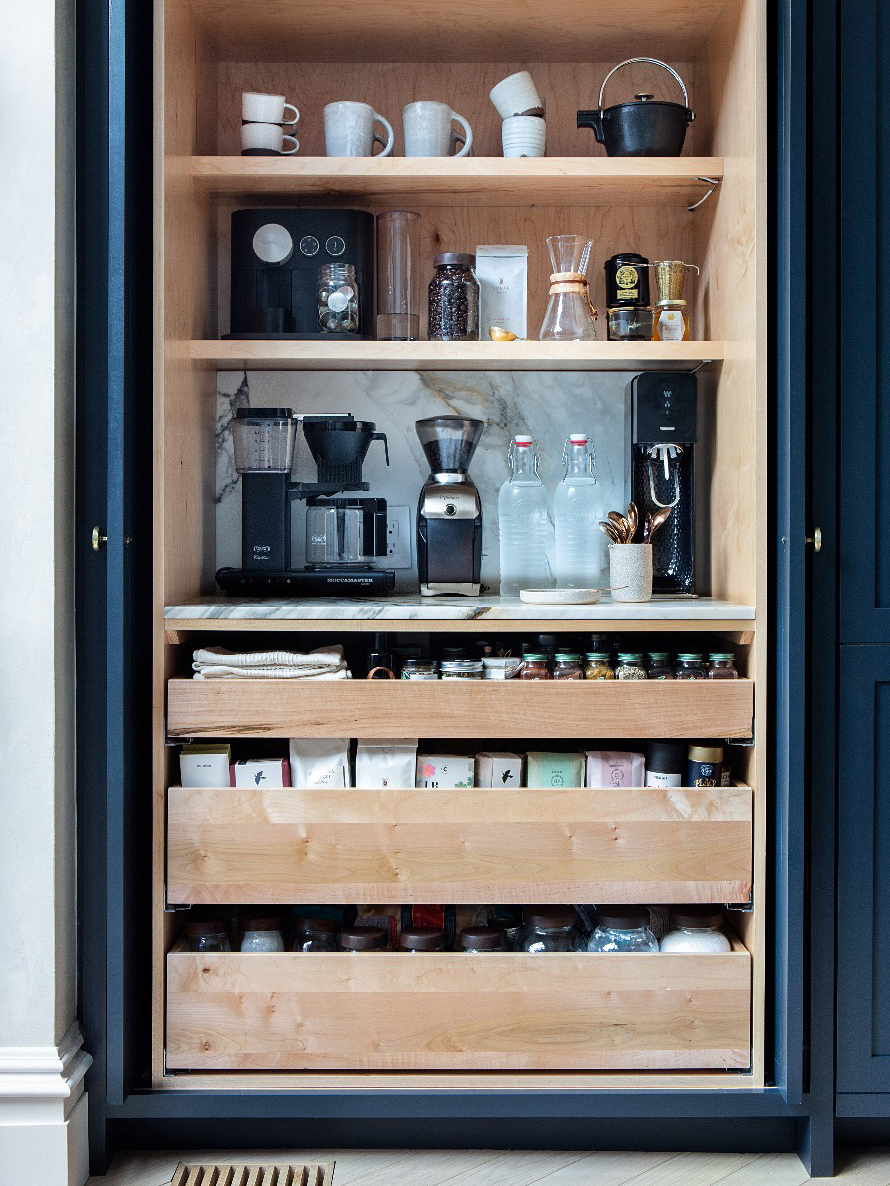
x=218, y=663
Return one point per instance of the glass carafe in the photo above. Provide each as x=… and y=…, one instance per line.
x=570, y=315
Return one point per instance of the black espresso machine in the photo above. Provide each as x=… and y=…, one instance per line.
x=663, y=434
x=280, y=260
x=344, y=535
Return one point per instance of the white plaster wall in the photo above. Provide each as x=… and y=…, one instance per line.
x=37, y=834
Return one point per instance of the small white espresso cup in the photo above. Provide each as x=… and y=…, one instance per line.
x=349, y=130
x=257, y=108
x=428, y=130
x=266, y=140
x=515, y=95
x=524, y=135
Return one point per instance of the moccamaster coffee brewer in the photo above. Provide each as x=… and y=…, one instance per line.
x=284, y=262
x=449, y=514
x=663, y=433
x=342, y=534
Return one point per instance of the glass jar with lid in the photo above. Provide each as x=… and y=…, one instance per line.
x=598, y=666
x=630, y=665
x=478, y=940
x=659, y=666
x=567, y=665
x=420, y=669
x=461, y=669
x=535, y=666
x=422, y=939
x=690, y=666
x=315, y=934
x=453, y=299
x=209, y=935
x=363, y=939
x=622, y=929
x=337, y=296
x=696, y=928
x=721, y=665
x=262, y=934
x=549, y=928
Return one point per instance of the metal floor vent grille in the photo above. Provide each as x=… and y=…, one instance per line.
x=255, y=1174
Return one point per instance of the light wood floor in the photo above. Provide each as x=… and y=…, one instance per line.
x=402, y=1167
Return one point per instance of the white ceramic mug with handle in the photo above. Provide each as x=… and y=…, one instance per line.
x=266, y=140
x=428, y=130
x=349, y=130
x=259, y=108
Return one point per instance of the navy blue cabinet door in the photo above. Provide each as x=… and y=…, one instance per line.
x=863, y=320
x=863, y=1051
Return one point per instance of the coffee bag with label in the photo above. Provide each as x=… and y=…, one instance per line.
x=502, y=272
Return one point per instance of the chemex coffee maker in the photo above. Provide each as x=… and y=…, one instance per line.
x=663, y=434
x=449, y=514
x=299, y=274
x=342, y=534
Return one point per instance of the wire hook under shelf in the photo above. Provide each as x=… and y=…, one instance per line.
x=713, y=182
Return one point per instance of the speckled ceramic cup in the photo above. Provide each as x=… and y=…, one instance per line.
x=630, y=572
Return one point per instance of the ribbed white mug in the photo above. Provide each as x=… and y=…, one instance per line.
x=524, y=135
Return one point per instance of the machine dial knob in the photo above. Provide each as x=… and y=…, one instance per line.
x=335, y=245
x=309, y=245
x=273, y=243
x=450, y=508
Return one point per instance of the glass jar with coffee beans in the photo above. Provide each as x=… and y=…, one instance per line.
x=453, y=299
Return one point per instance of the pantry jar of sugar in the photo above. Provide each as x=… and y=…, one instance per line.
x=696, y=928
x=262, y=934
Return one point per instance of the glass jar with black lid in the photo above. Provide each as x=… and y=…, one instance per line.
x=453, y=299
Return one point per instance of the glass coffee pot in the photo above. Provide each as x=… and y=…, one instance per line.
x=570, y=316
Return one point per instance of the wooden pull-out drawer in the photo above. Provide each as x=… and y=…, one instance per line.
x=280, y=846
x=450, y=1011
x=446, y=708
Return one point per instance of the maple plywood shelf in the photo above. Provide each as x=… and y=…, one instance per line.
x=241, y=355
x=493, y=181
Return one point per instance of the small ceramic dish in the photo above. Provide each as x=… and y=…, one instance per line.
x=559, y=596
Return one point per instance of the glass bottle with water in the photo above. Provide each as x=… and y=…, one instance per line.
x=577, y=510
x=523, y=523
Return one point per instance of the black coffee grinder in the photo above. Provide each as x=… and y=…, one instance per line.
x=663, y=434
x=342, y=534
x=449, y=513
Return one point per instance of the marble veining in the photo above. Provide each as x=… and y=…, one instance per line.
x=547, y=405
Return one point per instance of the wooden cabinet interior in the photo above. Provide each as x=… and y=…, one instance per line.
x=387, y=53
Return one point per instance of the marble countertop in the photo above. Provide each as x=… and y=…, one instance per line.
x=412, y=607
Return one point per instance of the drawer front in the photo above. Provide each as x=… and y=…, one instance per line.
x=281, y=846
x=507, y=709
x=391, y=1011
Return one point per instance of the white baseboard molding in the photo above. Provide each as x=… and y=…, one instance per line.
x=43, y=1113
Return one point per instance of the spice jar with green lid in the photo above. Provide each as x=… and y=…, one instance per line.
x=598, y=666
x=567, y=665
x=690, y=666
x=659, y=666
x=630, y=665
x=721, y=665
x=535, y=666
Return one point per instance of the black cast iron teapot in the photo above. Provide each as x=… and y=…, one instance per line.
x=643, y=128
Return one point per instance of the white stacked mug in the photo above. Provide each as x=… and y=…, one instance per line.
x=264, y=118
x=524, y=130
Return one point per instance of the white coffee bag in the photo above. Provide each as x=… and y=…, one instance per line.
x=502, y=272
x=382, y=764
x=319, y=762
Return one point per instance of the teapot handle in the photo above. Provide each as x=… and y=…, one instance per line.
x=652, y=62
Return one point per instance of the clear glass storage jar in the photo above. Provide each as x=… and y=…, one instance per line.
x=549, y=928
x=696, y=928
x=477, y=940
x=598, y=666
x=567, y=665
x=535, y=666
x=420, y=669
x=207, y=936
x=315, y=934
x=453, y=299
x=659, y=666
x=262, y=934
x=622, y=929
x=461, y=669
x=631, y=323
x=721, y=665
x=630, y=665
x=337, y=294
x=690, y=667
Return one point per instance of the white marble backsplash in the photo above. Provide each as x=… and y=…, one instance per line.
x=547, y=405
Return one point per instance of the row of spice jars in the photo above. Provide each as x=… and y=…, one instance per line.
x=544, y=929
x=631, y=665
